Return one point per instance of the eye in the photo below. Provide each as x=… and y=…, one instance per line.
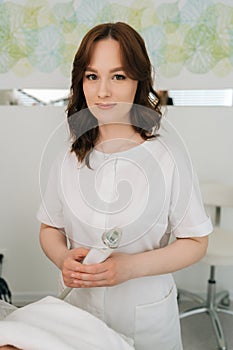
x=91, y=76
x=119, y=77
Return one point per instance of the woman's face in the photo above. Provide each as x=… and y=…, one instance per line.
x=109, y=92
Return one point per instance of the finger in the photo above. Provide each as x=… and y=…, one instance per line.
x=89, y=276
x=79, y=253
x=93, y=268
x=90, y=284
x=70, y=265
x=70, y=275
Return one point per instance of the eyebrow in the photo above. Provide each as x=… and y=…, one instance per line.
x=117, y=69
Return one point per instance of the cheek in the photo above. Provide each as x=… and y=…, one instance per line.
x=127, y=93
x=132, y=92
x=88, y=93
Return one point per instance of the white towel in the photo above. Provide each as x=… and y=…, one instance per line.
x=54, y=324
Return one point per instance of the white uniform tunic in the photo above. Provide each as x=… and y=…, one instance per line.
x=149, y=191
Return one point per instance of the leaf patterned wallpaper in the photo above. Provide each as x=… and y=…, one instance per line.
x=43, y=35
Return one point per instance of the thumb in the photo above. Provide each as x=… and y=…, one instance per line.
x=79, y=253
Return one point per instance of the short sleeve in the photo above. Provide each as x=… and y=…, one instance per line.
x=51, y=210
x=187, y=215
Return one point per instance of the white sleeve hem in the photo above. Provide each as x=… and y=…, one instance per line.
x=204, y=229
x=50, y=222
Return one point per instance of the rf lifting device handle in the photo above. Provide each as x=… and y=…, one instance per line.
x=111, y=239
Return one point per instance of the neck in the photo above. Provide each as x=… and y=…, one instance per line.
x=115, y=131
x=117, y=137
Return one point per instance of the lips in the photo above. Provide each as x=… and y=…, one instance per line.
x=105, y=105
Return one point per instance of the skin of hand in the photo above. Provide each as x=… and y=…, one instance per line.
x=120, y=267
x=72, y=263
x=116, y=269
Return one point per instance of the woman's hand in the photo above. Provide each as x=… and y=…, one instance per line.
x=71, y=264
x=116, y=269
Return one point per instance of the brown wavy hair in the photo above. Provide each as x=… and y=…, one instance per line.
x=136, y=63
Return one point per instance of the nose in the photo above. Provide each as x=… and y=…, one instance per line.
x=104, y=89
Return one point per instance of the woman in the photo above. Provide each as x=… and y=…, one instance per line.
x=120, y=173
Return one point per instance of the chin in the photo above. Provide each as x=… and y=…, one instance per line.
x=112, y=113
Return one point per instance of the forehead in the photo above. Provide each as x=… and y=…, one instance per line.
x=106, y=52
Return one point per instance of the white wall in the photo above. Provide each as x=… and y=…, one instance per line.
x=207, y=132
x=24, y=133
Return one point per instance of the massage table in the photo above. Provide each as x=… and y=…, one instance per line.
x=51, y=323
